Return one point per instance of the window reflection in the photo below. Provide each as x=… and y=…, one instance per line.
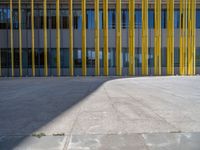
x=124, y=57
x=176, y=19
x=164, y=19
x=197, y=19
x=151, y=19
x=77, y=58
x=90, y=19
x=101, y=19
x=64, y=19
x=4, y=18
x=77, y=19
x=138, y=19
x=125, y=19
x=198, y=57
x=111, y=19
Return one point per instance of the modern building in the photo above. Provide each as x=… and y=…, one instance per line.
x=99, y=37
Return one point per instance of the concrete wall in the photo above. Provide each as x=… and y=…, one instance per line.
x=26, y=42
x=26, y=38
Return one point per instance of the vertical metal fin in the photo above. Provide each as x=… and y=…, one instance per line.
x=144, y=37
x=97, y=65
x=105, y=36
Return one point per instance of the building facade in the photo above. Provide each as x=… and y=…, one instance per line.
x=99, y=37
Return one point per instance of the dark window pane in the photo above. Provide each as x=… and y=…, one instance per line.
x=53, y=19
x=90, y=58
x=176, y=57
x=90, y=19
x=64, y=58
x=138, y=57
x=64, y=19
x=198, y=57
x=111, y=19
x=111, y=57
x=138, y=19
x=125, y=19
x=197, y=19
x=100, y=19
x=164, y=19
x=176, y=19
x=77, y=19
x=151, y=57
x=4, y=17
x=5, y=58
x=16, y=58
x=151, y=19
x=164, y=57
x=77, y=58
x=15, y=19
x=124, y=57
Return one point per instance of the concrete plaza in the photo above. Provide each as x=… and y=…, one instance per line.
x=100, y=113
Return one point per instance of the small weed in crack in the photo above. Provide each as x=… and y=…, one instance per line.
x=38, y=135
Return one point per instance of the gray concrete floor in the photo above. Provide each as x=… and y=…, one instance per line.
x=100, y=113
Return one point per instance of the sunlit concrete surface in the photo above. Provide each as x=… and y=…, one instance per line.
x=100, y=113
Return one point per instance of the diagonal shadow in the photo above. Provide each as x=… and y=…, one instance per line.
x=27, y=105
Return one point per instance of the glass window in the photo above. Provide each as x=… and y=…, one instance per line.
x=16, y=58
x=176, y=19
x=101, y=57
x=77, y=58
x=64, y=52
x=15, y=19
x=164, y=57
x=53, y=19
x=25, y=58
x=37, y=58
x=151, y=57
x=164, y=19
x=8, y=17
x=198, y=57
x=90, y=19
x=52, y=58
x=151, y=19
x=138, y=19
x=48, y=19
x=176, y=57
x=5, y=58
x=100, y=19
x=197, y=19
x=111, y=19
x=90, y=58
x=4, y=18
x=138, y=58
x=125, y=19
x=29, y=57
x=77, y=19
x=111, y=57
x=41, y=57
x=24, y=13
x=36, y=19
x=28, y=19
x=124, y=57
x=39, y=19
x=64, y=19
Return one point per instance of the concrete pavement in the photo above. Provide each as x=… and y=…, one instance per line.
x=100, y=113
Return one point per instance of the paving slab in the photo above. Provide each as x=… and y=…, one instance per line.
x=172, y=141
x=107, y=142
x=32, y=143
